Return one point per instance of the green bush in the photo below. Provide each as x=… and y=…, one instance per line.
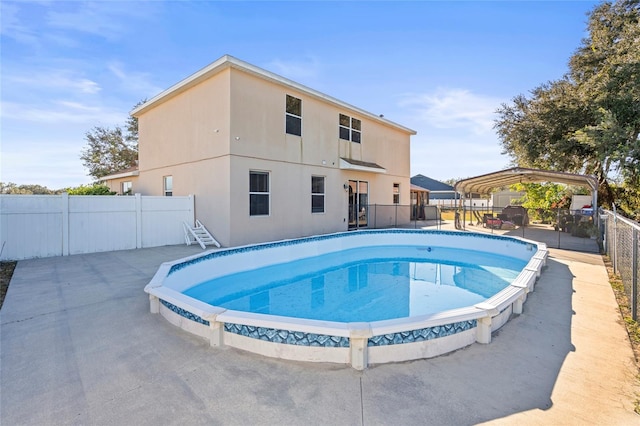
x=95, y=189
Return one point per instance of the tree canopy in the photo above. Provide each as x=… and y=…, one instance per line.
x=109, y=150
x=93, y=189
x=589, y=120
x=29, y=189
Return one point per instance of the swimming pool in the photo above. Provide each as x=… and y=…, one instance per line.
x=179, y=293
x=364, y=284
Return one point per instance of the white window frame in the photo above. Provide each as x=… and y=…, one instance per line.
x=350, y=129
x=319, y=194
x=267, y=193
x=396, y=193
x=127, y=191
x=289, y=114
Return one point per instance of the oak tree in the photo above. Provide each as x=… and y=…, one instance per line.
x=589, y=120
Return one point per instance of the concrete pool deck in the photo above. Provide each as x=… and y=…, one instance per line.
x=79, y=346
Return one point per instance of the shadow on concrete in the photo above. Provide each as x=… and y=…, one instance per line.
x=516, y=372
x=78, y=345
x=544, y=234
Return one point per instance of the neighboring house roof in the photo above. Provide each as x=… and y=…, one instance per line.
x=431, y=184
x=417, y=188
x=131, y=171
x=228, y=61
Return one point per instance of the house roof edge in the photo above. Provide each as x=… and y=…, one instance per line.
x=228, y=61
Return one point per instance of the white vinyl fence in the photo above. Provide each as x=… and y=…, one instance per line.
x=60, y=225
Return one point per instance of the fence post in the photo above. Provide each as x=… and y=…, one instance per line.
x=138, y=220
x=558, y=224
x=604, y=223
x=634, y=274
x=615, y=240
x=65, y=223
x=192, y=207
x=396, y=214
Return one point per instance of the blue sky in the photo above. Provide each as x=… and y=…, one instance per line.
x=440, y=68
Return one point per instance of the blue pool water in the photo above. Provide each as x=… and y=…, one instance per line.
x=365, y=284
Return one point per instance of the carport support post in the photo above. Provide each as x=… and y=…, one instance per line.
x=558, y=224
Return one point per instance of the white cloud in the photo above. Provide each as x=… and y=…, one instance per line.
x=46, y=23
x=107, y=19
x=11, y=25
x=454, y=109
x=54, y=80
x=299, y=69
x=455, y=137
x=53, y=163
x=135, y=82
x=446, y=153
x=62, y=111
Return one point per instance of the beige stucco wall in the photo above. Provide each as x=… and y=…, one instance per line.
x=187, y=137
x=290, y=202
x=258, y=120
x=211, y=191
x=115, y=185
x=190, y=127
x=212, y=135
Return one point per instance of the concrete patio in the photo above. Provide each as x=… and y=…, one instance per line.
x=79, y=346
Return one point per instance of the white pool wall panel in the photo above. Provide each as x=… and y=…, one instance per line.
x=420, y=350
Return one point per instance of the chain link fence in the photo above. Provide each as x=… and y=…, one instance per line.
x=382, y=216
x=620, y=241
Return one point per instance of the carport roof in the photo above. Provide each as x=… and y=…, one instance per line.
x=484, y=184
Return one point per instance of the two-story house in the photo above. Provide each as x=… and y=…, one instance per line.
x=268, y=158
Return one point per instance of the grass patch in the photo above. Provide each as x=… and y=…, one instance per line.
x=6, y=272
x=633, y=327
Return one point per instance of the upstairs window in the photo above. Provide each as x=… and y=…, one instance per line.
x=396, y=193
x=258, y=193
x=317, y=194
x=168, y=186
x=294, y=116
x=350, y=129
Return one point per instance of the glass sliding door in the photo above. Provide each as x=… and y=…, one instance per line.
x=358, y=204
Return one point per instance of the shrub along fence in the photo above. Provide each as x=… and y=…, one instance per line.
x=621, y=245
x=60, y=225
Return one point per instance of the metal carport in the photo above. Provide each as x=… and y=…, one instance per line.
x=485, y=184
